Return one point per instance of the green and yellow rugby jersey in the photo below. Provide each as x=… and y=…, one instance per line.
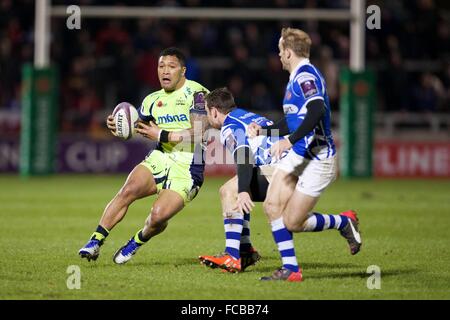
x=171, y=112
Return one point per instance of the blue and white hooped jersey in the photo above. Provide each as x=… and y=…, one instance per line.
x=233, y=135
x=307, y=84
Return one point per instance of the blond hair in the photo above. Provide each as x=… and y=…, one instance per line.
x=297, y=40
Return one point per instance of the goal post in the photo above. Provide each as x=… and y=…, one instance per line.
x=357, y=103
x=38, y=134
x=42, y=65
x=38, y=121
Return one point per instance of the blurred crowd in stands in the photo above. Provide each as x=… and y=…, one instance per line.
x=108, y=61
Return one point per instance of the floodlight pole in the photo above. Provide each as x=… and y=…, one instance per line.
x=42, y=34
x=357, y=35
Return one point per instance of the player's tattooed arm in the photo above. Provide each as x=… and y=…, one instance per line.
x=199, y=121
x=199, y=125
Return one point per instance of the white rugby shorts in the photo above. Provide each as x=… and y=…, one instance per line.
x=314, y=176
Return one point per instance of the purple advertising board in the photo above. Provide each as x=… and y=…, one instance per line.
x=83, y=154
x=100, y=156
x=78, y=154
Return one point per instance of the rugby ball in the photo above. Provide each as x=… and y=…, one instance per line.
x=125, y=117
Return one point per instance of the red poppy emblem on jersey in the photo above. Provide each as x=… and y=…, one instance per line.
x=160, y=104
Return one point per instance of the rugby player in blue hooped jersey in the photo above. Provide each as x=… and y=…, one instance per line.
x=310, y=166
x=254, y=169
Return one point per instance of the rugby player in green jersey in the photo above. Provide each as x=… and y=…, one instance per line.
x=174, y=170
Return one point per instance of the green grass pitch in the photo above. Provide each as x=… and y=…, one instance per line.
x=44, y=221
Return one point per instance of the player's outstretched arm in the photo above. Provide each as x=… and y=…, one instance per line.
x=150, y=130
x=279, y=128
x=315, y=111
x=198, y=119
x=199, y=125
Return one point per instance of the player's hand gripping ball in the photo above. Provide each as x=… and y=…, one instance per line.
x=125, y=118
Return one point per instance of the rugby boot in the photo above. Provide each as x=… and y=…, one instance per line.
x=91, y=250
x=249, y=258
x=351, y=232
x=125, y=253
x=223, y=261
x=284, y=274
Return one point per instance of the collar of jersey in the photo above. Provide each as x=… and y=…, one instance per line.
x=301, y=63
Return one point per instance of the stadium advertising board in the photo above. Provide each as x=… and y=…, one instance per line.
x=412, y=159
x=402, y=159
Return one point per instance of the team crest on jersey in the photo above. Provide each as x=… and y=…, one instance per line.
x=308, y=88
